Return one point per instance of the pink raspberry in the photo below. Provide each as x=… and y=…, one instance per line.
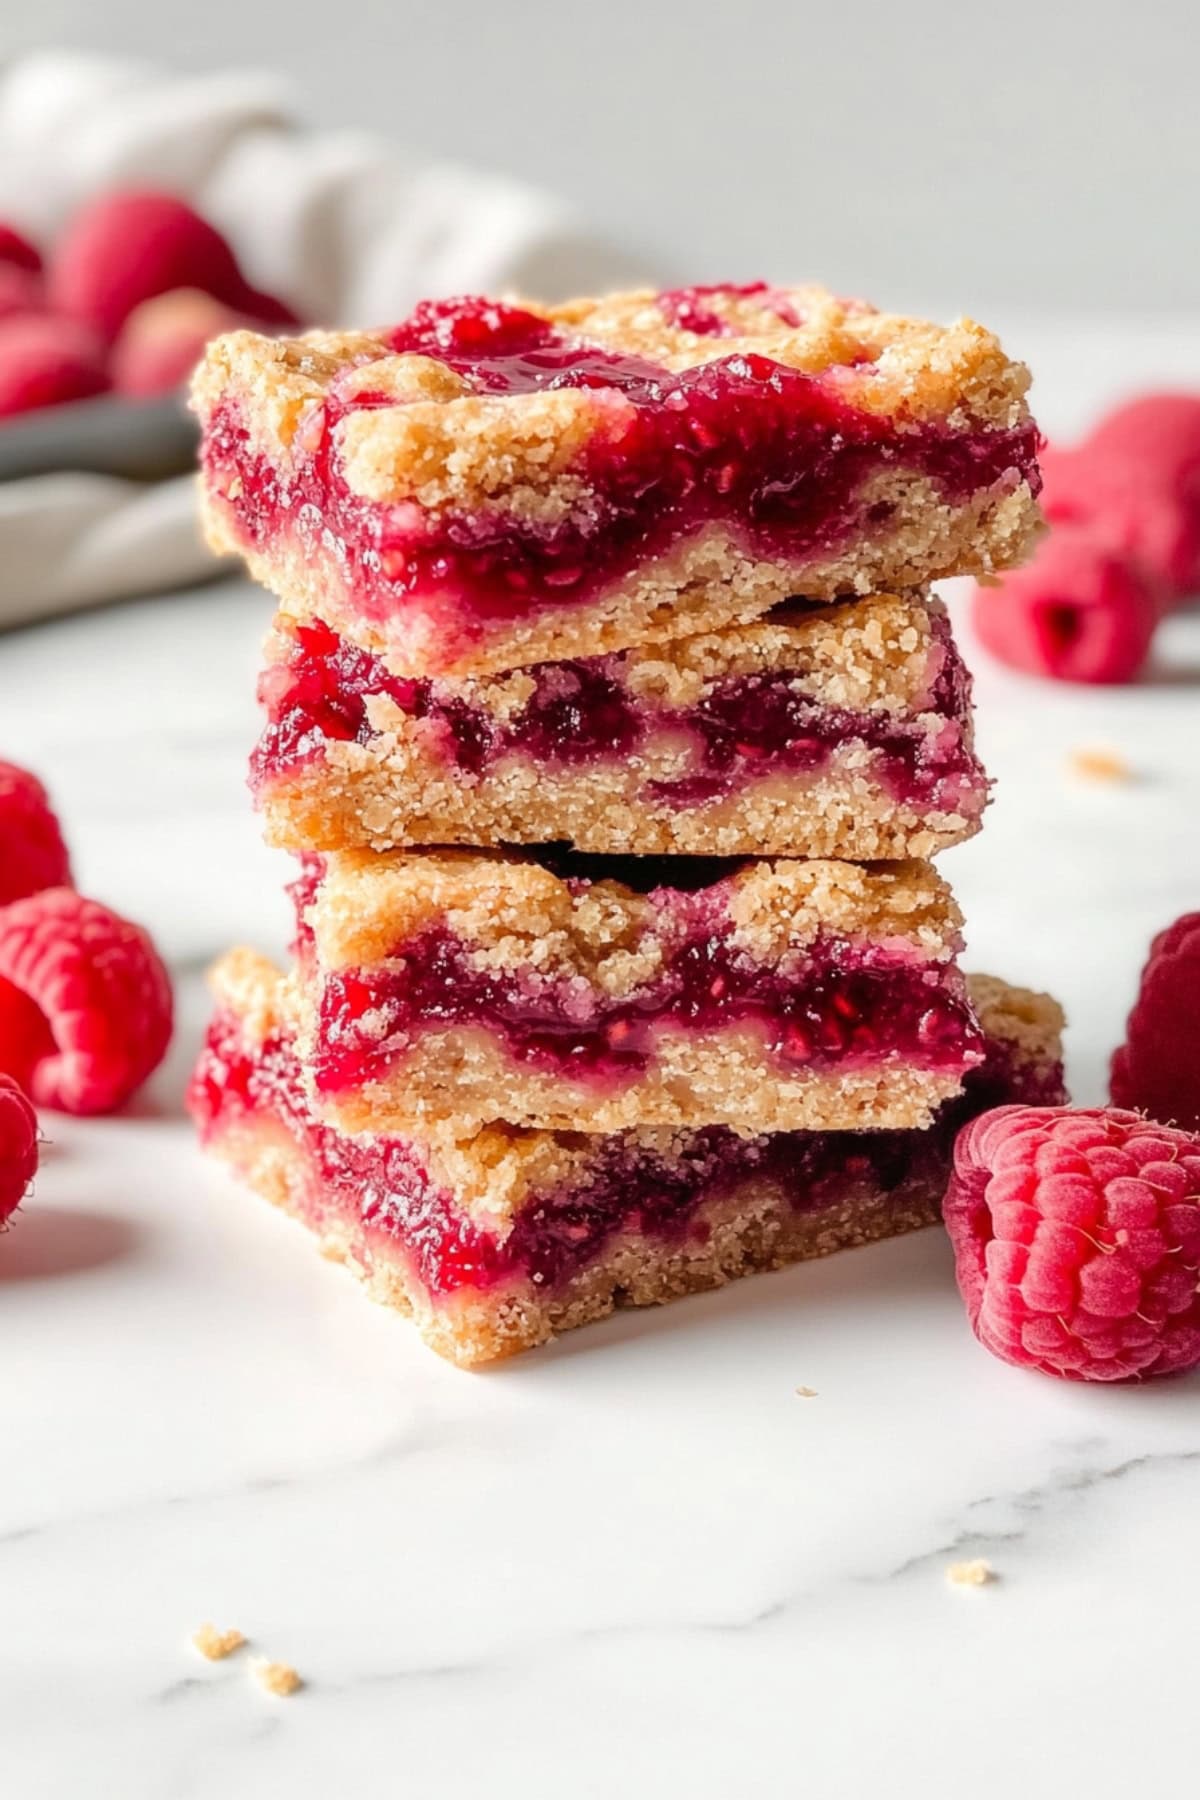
x=32, y=852
x=1157, y=1068
x=18, y=1146
x=85, y=1002
x=1077, y=1241
x=1080, y=611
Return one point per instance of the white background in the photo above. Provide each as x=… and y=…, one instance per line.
x=939, y=153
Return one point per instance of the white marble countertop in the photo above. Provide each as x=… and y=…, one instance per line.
x=637, y=1562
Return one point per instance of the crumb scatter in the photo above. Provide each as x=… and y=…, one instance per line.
x=214, y=1644
x=976, y=1573
x=276, y=1677
x=1098, y=763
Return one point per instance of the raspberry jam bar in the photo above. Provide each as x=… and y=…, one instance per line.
x=447, y=989
x=840, y=731
x=495, y=1243
x=486, y=486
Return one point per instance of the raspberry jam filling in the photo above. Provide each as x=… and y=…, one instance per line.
x=848, y=1005
x=626, y=1188
x=692, y=309
x=582, y=713
x=742, y=441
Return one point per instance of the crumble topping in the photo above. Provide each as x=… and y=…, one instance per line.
x=514, y=912
x=1031, y=1022
x=777, y=907
x=885, y=363
x=246, y=983
x=873, y=652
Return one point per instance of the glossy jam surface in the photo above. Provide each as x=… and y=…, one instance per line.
x=583, y=713
x=774, y=453
x=847, y=1005
x=384, y=1183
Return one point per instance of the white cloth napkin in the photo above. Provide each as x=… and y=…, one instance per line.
x=348, y=228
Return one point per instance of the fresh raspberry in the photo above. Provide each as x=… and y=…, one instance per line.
x=1077, y=1241
x=18, y=1145
x=16, y=249
x=32, y=852
x=1157, y=1068
x=1080, y=611
x=85, y=1002
x=128, y=246
x=46, y=361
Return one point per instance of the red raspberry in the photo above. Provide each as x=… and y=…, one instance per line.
x=32, y=852
x=1077, y=1241
x=125, y=247
x=1080, y=611
x=46, y=361
x=1157, y=1068
x=15, y=248
x=85, y=1002
x=18, y=1146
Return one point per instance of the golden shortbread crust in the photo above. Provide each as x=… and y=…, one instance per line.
x=875, y=657
x=499, y=1170
x=518, y=916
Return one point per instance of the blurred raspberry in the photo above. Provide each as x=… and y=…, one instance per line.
x=1077, y=1241
x=32, y=852
x=16, y=249
x=162, y=339
x=126, y=247
x=1157, y=1068
x=46, y=361
x=18, y=1146
x=1137, y=479
x=20, y=291
x=1080, y=611
x=85, y=1002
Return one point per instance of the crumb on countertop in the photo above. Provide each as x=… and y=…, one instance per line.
x=807, y=1393
x=1097, y=763
x=215, y=1644
x=976, y=1573
x=276, y=1677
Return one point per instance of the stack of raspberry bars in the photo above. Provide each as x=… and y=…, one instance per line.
x=615, y=726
